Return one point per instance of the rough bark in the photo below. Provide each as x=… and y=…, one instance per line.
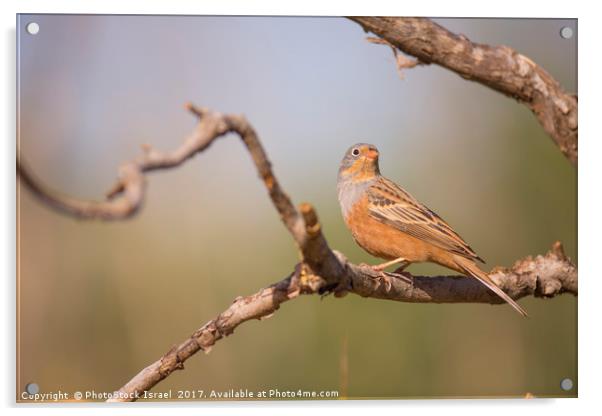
x=498, y=67
x=321, y=269
x=543, y=276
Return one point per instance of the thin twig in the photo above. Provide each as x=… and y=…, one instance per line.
x=401, y=61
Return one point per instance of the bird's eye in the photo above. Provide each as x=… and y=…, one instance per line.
x=355, y=152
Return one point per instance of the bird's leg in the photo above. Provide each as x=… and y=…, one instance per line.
x=385, y=276
x=383, y=266
x=399, y=274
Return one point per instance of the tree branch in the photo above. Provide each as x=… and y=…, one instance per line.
x=120, y=208
x=321, y=269
x=498, y=67
x=126, y=196
x=544, y=276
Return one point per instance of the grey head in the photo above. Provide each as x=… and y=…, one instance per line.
x=358, y=170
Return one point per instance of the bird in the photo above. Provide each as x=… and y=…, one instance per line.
x=389, y=223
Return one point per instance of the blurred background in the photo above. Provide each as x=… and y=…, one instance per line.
x=100, y=301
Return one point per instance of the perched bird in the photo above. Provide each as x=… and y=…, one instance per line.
x=389, y=223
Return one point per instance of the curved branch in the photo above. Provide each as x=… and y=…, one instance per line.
x=544, y=276
x=126, y=196
x=124, y=207
x=499, y=67
x=321, y=269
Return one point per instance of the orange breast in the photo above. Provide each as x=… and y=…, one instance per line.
x=384, y=241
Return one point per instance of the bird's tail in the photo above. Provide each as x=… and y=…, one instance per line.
x=473, y=270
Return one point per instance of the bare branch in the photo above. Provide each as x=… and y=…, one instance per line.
x=321, y=269
x=499, y=67
x=127, y=194
x=124, y=207
x=544, y=276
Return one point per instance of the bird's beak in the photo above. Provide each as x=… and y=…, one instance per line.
x=372, y=154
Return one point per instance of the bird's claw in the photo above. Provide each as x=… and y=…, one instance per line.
x=385, y=277
x=381, y=277
x=387, y=281
x=405, y=276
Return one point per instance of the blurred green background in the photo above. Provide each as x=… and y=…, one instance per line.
x=100, y=301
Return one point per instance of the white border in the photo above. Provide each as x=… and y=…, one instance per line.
x=589, y=189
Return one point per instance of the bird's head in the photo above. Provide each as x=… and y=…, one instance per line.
x=360, y=162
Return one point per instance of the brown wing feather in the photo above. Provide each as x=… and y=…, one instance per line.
x=390, y=204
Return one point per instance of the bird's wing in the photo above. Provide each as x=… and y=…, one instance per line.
x=391, y=205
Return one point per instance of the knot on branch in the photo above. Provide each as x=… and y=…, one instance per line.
x=555, y=273
x=170, y=362
x=207, y=336
x=312, y=226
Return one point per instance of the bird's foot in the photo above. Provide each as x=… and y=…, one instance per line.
x=401, y=275
x=380, y=276
x=383, y=278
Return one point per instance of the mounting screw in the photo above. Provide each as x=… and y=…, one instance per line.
x=32, y=388
x=32, y=28
x=566, y=384
x=566, y=32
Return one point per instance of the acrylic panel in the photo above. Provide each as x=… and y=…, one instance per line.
x=151, y=236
